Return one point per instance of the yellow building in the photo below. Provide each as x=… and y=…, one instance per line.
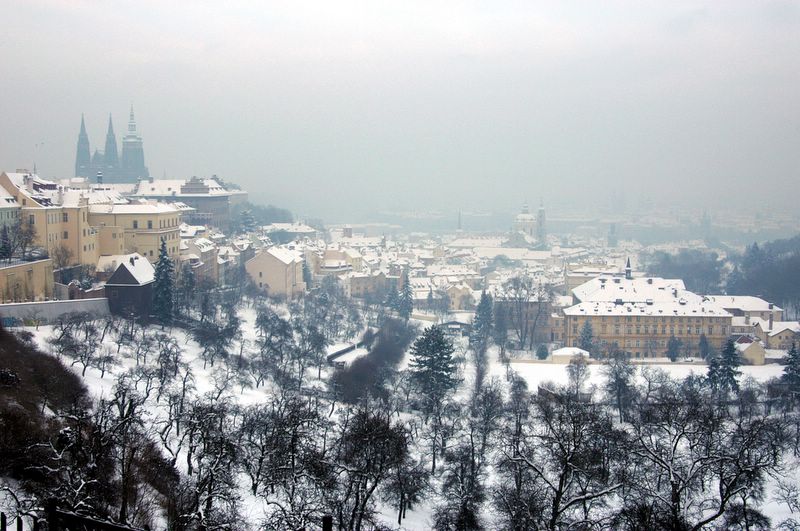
x=277, y=271
x=751, y=351
x=59, y=216
x=26, y=281
x=141, y=225
x=640, y=315
x=748, y=306
x=201, y=255
x=778, y=334
x=361, y=285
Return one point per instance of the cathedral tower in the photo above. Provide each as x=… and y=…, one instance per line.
x=82, y=157
x=111, y=155
x=133, y=167
x=541, y=225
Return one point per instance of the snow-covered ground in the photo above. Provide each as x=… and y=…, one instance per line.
x=536, y=373
x=418, y=518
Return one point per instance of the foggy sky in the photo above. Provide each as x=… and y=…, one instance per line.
x=339, y=108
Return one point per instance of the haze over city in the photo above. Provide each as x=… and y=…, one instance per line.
x=343, y=109
x=449, y=265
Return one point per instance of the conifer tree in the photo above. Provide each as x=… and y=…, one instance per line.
x=5, y=243
x=541, y=351
x=723, y=370
x=405, y=303
x=673, y=348
x=500, y=330
x=791, y=371
x=484, y=320
x=432, y=366
x=392, y=299
x=247, y=221
x=586, y=339
x=164, y=285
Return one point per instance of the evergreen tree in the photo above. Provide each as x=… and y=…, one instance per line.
x=541, y=351
x=723, y=370
x=673, y=348
x=704, y=347
x=484, y=320
x=6, y=248
x=405, y=303
x=791, y=371
x=392, y=299
x=307, y=275
x=163, y=285
x=432, y=366
x=247, y=221
x=586, y=339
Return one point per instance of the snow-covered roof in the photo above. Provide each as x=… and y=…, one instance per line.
x=204, y=244
x=745, y=303
x=149, y=207
x=287, y=256
x=191, y=231
x=174, y=187
x=672, y=308
x=777, y=326
x=650, y=289
x=136, y=264
x=513, y=253
x=161, y=187
x=297, y=228
x=72, y=197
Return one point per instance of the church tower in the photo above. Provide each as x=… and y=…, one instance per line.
x=82, y=157
x=111, y=155
x=133, y=167
x=541, y=225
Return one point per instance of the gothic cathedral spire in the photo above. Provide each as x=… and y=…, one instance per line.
x=111, y=155
x=82, y=156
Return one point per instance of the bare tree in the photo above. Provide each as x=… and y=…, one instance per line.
x=527, y=304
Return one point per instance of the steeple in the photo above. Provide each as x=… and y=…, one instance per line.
x=133, y=167
x=131, y=124
x=628, y=270
x=541, y=224
x=82, y=156
x=111, y=153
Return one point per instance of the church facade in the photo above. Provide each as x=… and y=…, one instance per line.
x=108, y=165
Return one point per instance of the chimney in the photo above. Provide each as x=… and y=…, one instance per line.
x=131, y=260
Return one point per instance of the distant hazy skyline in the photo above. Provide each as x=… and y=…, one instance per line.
x=338, y=108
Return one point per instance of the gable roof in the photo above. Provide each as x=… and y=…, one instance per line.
x=132, y=271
